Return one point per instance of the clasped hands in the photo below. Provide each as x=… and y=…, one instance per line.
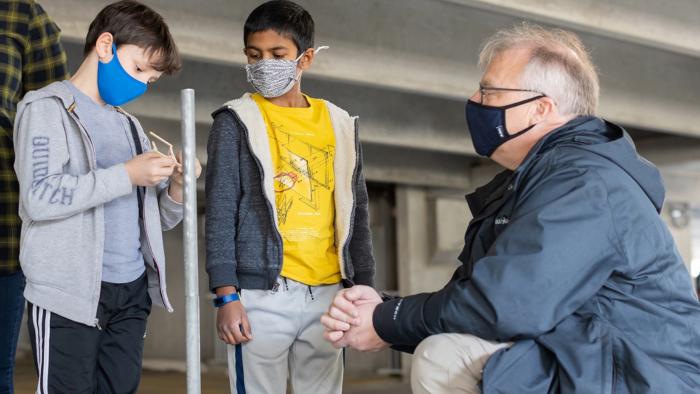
x=348, y=321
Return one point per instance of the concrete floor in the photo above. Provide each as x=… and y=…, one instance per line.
x=213, y=382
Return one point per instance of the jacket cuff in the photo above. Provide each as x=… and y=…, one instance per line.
x=169, y=202
x=400, y=321
x=171, y=211
x=222, y=275
x=364, y=278
x=385, y=321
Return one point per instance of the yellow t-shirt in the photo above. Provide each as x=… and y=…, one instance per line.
x=302, y=144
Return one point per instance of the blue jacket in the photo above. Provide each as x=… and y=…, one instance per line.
x=568, y=257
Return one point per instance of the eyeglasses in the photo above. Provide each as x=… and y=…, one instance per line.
x=486, y=90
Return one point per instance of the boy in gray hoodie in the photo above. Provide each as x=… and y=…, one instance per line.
x=93, y=203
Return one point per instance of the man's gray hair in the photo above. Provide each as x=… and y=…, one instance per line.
x=559, y=65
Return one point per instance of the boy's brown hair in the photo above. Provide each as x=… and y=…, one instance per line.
x=131, y=22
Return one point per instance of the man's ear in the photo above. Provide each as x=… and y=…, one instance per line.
x=545, y=107
x=103, y=47
x=307, y=59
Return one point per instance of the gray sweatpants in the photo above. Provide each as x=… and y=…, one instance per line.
x=287, y=342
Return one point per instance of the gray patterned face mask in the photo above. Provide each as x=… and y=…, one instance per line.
x=274, y=77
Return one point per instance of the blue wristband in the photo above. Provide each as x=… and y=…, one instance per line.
x=223, y=300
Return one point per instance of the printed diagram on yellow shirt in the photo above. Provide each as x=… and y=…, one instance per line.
x=302, y=169
x=302, y=146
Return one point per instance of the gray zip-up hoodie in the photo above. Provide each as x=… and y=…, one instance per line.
x=244, y=245
x=62, y=194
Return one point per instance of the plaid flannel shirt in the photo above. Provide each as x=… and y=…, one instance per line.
x=31, y=57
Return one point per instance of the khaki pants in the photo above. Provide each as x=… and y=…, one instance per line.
x=451, y=363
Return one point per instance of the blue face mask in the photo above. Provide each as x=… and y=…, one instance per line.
x=487, y=125
x=116, y=86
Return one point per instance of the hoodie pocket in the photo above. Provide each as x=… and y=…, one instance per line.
x=60, y=254
x=251, y=241
x=242, y=225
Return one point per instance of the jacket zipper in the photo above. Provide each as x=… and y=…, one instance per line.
x=148, y=242
x=262, y=177
x=86, y=136
x=93, y=165
x=143, y=216
x=346, y=246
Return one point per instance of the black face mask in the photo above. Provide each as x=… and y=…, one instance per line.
x=487, y=125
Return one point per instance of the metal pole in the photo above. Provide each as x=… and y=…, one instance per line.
x=189, y=146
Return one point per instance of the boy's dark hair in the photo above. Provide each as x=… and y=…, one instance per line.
x=131, y=22
x=284, y=17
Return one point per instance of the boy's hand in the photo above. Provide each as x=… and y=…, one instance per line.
x=149, y=169
x=232, y=322
x=178, y=176
x=177, y=179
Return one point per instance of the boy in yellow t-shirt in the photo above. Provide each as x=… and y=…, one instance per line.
x=287, y=218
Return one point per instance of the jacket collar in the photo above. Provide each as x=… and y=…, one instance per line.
x=567, y=133
x=60, y=91
x=582, y=127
